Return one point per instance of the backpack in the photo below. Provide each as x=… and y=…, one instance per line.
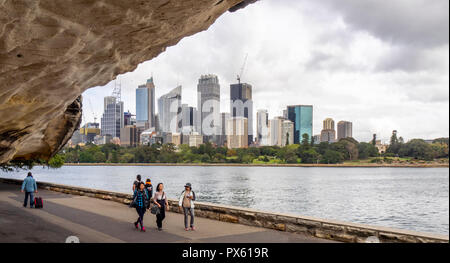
x=38, y=202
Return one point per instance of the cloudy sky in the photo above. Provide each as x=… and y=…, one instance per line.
x=383, y=65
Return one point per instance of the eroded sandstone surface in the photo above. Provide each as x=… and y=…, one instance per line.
x=53, y=50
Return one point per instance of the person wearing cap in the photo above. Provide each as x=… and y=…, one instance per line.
x=186, y=203
x=149, y=187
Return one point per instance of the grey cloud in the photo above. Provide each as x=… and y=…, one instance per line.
x=411, y=59
x=423, y=23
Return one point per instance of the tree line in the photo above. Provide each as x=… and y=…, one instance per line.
x=306, y=152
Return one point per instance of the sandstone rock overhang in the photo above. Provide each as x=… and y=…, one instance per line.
x=51, y=51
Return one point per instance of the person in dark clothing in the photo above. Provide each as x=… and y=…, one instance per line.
x=149, y=187
x=29, y=187
x=160, y=199
x=141, y=197
x=137, y=182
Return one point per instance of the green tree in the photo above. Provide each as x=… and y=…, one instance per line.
x=305, y=139
x=332, y=157
x=56, y=161
x=99, y=157
x=86, y=157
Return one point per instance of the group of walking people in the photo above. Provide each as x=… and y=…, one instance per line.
x=142, y=201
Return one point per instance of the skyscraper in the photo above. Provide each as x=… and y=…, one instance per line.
x=208, y=107
x=188, y=118
x=145, y=104
x=328, y=133
x=237, y=132
x=169, y=110
x=223, y=137
x=262, y=127
x=241, y=104
x=275, y=131
x=287, y=133
x=113, y=118
x=302, y=117
x=328, y=124
x=344, y=130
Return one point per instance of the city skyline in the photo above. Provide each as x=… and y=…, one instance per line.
x=358, y=78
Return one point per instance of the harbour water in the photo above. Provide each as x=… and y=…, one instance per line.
x=406, y=198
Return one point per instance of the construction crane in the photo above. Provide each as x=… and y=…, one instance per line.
x=92, y=110
x=239, y=77
x=117, y=92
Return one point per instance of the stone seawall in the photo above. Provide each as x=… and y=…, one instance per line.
x=321, y=228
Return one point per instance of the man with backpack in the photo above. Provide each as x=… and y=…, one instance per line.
x=137, y=182
x=30, y=187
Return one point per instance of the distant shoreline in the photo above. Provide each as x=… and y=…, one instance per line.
x=444, y=165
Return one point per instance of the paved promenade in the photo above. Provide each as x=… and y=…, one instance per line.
x=94, y=220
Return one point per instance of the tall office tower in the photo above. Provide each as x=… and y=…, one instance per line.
x=188, y=119
x=328, y=133
x=127, y=118
x=113, y=118
x=262, y=127
x=169, y=110
x=287, y=133
x=328, y=124
x=345, y=130
x=285, y=114
x=223, y=126
x=302, y=117
x=275, y=131
x=208, y=107
x=237, y=132
x=129, y=136
x=241, y=104
x=145, y=104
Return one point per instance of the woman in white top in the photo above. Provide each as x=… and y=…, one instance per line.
x=186, y=202
x=160, y=199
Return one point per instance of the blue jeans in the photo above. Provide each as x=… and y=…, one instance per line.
x=31, y=194
x=186, y=212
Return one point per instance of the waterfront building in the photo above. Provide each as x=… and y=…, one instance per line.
x=224, y=116
x=113, y=117
x=89, y=131
x=101, y=140
x=262, y=128
x=77, y=138
x=345, y=130
x=195, y=139
x=145, y=104
x=276, y=131
x=302, y=117
x=382, y=148
x=177, y=139
x=328, y=133
x=188, y=118
x=287, y=133
x=129, y=136
x=241, y=105
x=237, y=132
x=208, y=107
x=169, y=109
x=150, y=137
x=317, y=139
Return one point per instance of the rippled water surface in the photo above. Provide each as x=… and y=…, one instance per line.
x=407, y=198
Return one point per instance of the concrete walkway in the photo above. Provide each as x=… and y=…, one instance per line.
x=94, y=220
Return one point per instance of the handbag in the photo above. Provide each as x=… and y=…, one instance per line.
x=155, y=210
x=133, y=203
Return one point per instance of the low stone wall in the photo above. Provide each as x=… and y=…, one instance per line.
x=321, y=228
